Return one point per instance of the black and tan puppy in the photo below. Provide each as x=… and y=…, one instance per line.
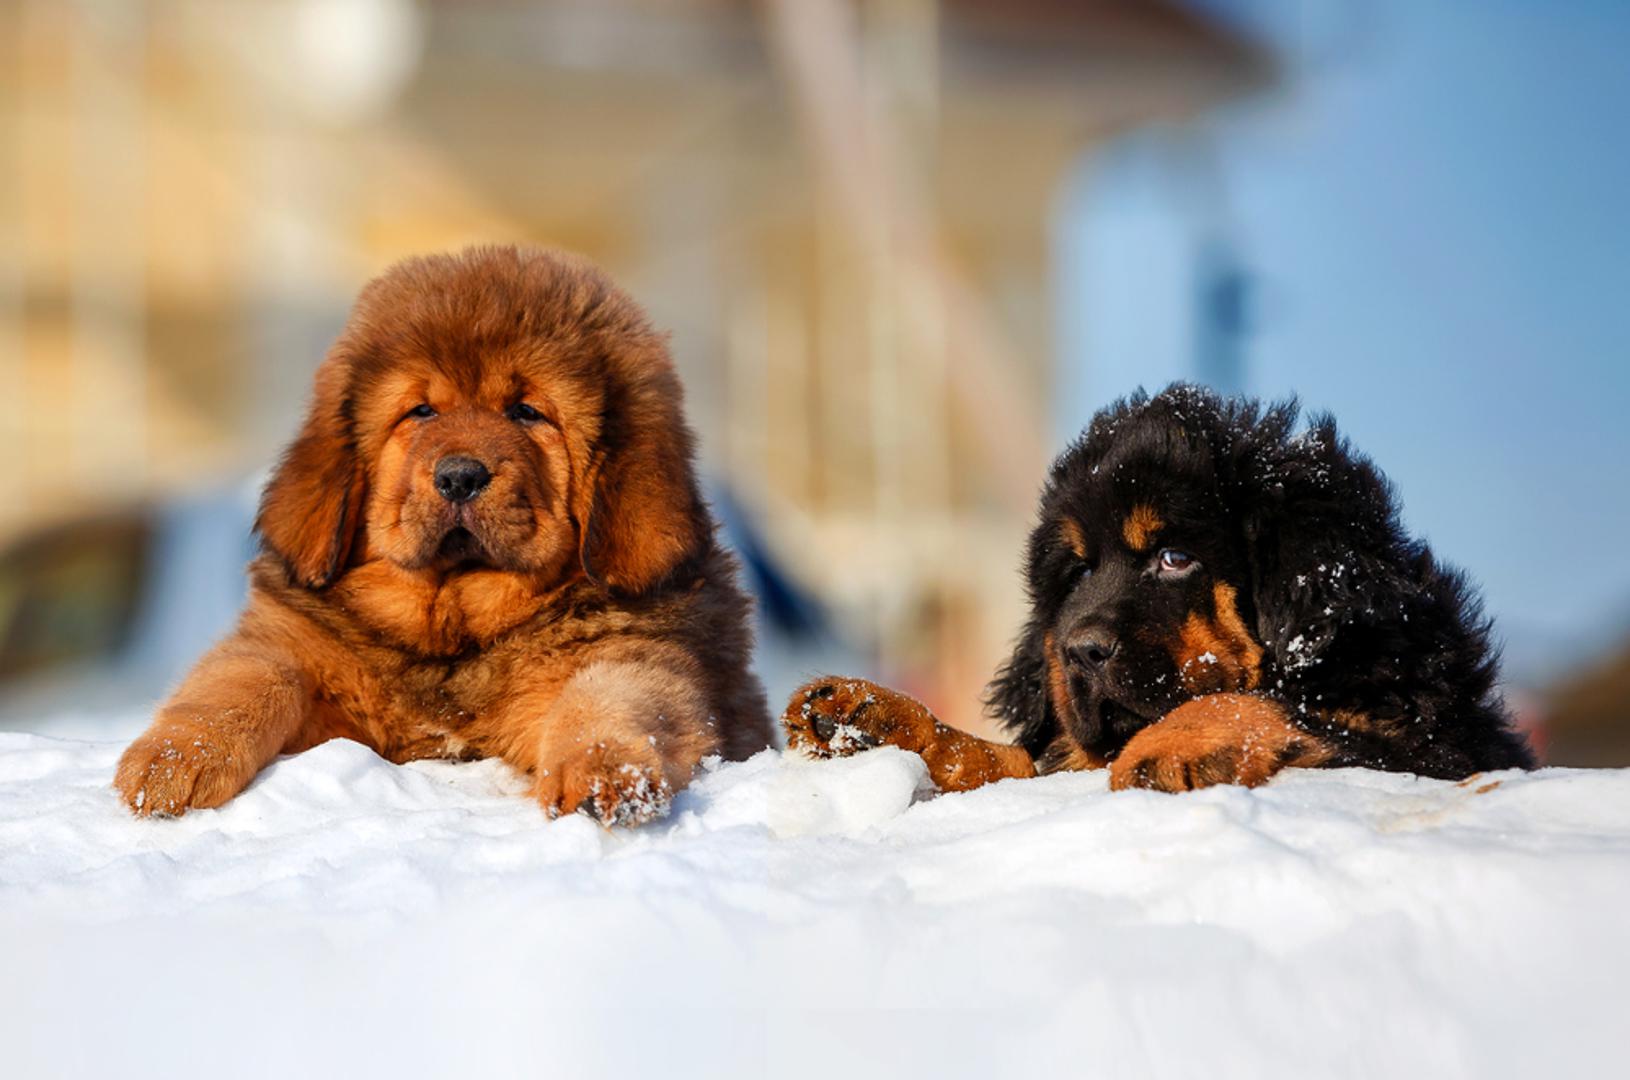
x=1214, y=597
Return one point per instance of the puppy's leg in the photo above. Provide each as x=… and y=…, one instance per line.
x=837, y=717
x=1216, y=739
x=223, y=725
x=623, y=736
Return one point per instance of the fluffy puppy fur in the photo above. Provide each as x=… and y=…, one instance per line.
x=486, y=541
x=1213, y=597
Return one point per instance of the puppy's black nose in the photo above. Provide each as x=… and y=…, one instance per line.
x=460, y=479
x=1091, y=649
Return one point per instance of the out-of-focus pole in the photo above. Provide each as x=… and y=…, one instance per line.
x=819, y=45
x=107, y=287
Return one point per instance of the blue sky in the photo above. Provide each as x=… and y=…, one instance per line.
x=1434, y=213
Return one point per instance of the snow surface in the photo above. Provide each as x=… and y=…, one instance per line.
x=345, y=916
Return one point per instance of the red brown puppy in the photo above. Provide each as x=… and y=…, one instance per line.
x=486, y=541
x=1214, y=596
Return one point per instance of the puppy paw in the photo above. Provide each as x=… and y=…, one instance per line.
x=174, y=768
x=838, y=717
x=609, y=784
x=1187, y=768
x=1214, y=739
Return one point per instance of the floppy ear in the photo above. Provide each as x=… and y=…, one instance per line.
x=639, y=513
x=1319, y=522
x=1017, y=696
x=312, y=505
x=1021, y=696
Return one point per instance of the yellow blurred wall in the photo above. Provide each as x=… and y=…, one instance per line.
x=841, y=211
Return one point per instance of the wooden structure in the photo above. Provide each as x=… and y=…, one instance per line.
x=841, y=209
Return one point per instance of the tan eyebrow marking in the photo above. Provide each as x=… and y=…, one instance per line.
x=1070, y=530
x=1140, y=526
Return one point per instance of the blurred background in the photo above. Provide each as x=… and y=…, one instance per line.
x=905, y=248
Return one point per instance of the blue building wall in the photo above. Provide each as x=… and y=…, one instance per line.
x=1433, y=219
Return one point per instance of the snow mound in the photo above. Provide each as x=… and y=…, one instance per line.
x=845, y=796
x=797, y=918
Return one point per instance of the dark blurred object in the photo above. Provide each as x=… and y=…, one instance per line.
x=1588, y=721
x=100, y=613
x=68, y=594
x=783, y=603
x=1223, y=299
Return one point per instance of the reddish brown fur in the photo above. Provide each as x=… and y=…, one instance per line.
x=1215, y=739
x=593, y=636
x=836, y=717
x=1218, y=654
x=830, y=717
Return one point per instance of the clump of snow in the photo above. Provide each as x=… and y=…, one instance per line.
x=848, y=738
x=345, y=916
x=846, y=795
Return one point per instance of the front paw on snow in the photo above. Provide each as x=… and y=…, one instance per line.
x=609, y=790
x=825, y=718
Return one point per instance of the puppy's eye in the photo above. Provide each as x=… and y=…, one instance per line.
x=421, y=412
x=522, y=413
x=1172, y=561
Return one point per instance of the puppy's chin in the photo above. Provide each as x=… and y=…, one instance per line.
x=1107, y=724
x=459, y=549
x=462, y=548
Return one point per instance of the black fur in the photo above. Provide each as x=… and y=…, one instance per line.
x=1354, y=617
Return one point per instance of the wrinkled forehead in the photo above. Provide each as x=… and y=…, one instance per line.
x=486, y=375
x=478, y=372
